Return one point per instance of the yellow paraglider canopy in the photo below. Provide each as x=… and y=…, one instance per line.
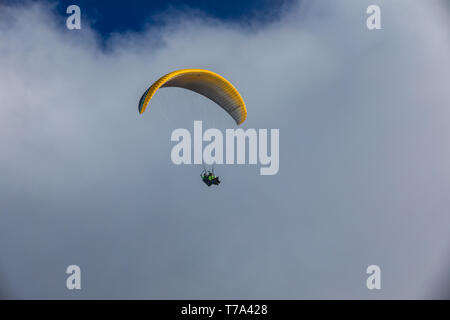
x=206, y=83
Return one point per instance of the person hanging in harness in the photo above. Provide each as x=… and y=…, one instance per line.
x=209, y=178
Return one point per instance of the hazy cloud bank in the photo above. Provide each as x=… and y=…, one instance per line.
x=364, y=162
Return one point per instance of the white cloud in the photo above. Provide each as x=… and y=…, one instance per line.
x=363, y=118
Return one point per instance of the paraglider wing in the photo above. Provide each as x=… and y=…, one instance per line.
x=204, y=82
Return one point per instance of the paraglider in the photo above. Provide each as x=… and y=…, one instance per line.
x=209, y=178
x=204, y=82
x=209, y=84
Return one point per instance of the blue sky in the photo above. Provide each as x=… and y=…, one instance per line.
x=120, y=16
